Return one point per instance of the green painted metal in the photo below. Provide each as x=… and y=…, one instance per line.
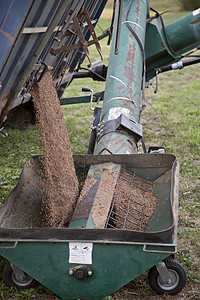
x=113, y=265
x=122, y=92
x=183, y=35
x=81, y=99
x=124, y=78
x=28, y=194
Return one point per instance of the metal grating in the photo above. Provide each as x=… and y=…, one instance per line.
x=131, y=202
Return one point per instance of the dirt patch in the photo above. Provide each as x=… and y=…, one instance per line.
x=134, y=202
x=61, y=186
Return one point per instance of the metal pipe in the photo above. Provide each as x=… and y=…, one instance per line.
x=124, y=77
x=178, y=65
x=184, y=34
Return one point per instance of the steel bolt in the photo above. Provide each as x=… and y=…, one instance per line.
x=169, y=281
x=80, y=273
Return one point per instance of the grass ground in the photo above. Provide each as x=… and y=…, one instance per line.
x=171, y=119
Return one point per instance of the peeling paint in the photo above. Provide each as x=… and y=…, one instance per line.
x=195, y=21
x=129, y=70
x=9, y=36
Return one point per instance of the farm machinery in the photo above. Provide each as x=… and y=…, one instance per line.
x=108, y=242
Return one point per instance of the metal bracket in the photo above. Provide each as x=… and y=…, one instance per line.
x=93, y=33
x=158, y=251
x=81, y=37
x=94, y=130
x=31, y=30
x=122, y=123
x=41, y=71
x=84, y=89
x=83, y=43
x=163, y=272
x=156, y=149
x=19, y=274
x=12, y=247
x=3, y=133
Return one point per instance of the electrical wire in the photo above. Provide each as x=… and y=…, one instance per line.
x=112, y=22
x=94, y=73
x=164, y=31
x=166, y=38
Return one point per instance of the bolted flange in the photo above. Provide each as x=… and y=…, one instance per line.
x=81, y=272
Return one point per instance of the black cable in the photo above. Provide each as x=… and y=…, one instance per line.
x=143, y=145
x=164, y=31
x=189, y=53
x=112, y=21
x=190, y=56
x=154, y=17
x=132, y=31
x=166, y=38
x=94, y=73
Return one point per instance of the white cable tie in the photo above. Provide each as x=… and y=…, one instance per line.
x=177, y=65
x=133, y=23
x=123, y=98
x=118, y=80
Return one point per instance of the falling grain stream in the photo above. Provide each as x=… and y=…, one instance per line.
x=61, y=185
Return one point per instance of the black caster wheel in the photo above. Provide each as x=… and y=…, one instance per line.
x=177, y=280
x=20, y=280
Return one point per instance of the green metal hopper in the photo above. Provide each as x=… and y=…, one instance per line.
x=90, y=263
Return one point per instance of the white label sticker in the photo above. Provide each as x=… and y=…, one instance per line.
x=115, y=112
x=80, y=253
x=196, y=12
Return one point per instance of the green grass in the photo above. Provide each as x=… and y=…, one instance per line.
x=16, y=148
x=171, y=119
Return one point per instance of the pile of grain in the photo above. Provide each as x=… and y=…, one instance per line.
x=61, y=185
x=134, y=202
x=104, y=197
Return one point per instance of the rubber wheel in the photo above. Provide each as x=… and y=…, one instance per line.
x=11, y=280
x=178, y=278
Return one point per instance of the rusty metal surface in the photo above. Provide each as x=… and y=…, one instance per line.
x=124, y=77
x=31, y=46
x=23, y=207
x=27, y=49
x=160, y=163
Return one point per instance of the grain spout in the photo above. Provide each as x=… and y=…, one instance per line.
x=61, y=185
